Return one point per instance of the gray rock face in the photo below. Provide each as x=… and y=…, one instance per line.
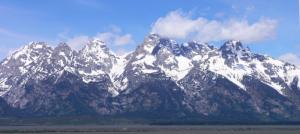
x=161, y=79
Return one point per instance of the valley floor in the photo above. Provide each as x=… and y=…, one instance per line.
x=206, y=129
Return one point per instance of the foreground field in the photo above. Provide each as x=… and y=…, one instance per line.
x=151, y=129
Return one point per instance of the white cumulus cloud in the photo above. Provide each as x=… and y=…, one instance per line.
x=78, y=42
x=181, y=25
x=291, y=58
x=113, y=38
x=123, y=40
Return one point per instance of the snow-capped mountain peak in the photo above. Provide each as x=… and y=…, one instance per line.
x=95, y=47
x=149, y=43
x=232, y=45
x=234, y=50
x=32, y=48
x=97, y=42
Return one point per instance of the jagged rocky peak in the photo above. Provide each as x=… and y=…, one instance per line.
x=96, y=43
x=155, y=44
x=166, y=44
x=95, y=59
x=233, y=50
x=64, y=49
x=196, y=48
x=194, y=45
x=31, y=53
x=152, y=38
x=232, y=45
x=149, y=43
x=32, y=48
x=63, y=56
x=96, y=47
x=38, y=45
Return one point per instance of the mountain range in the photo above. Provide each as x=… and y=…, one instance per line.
x=161, y=79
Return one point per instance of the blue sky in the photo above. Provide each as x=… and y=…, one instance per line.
x=124, y=24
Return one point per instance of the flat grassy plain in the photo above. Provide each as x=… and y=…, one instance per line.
x=145, y=129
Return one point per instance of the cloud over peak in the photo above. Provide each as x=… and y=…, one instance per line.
x=180, y=25
x=113, y=38
x=291, y=58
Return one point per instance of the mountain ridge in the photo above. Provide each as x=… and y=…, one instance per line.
x=161, y=78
